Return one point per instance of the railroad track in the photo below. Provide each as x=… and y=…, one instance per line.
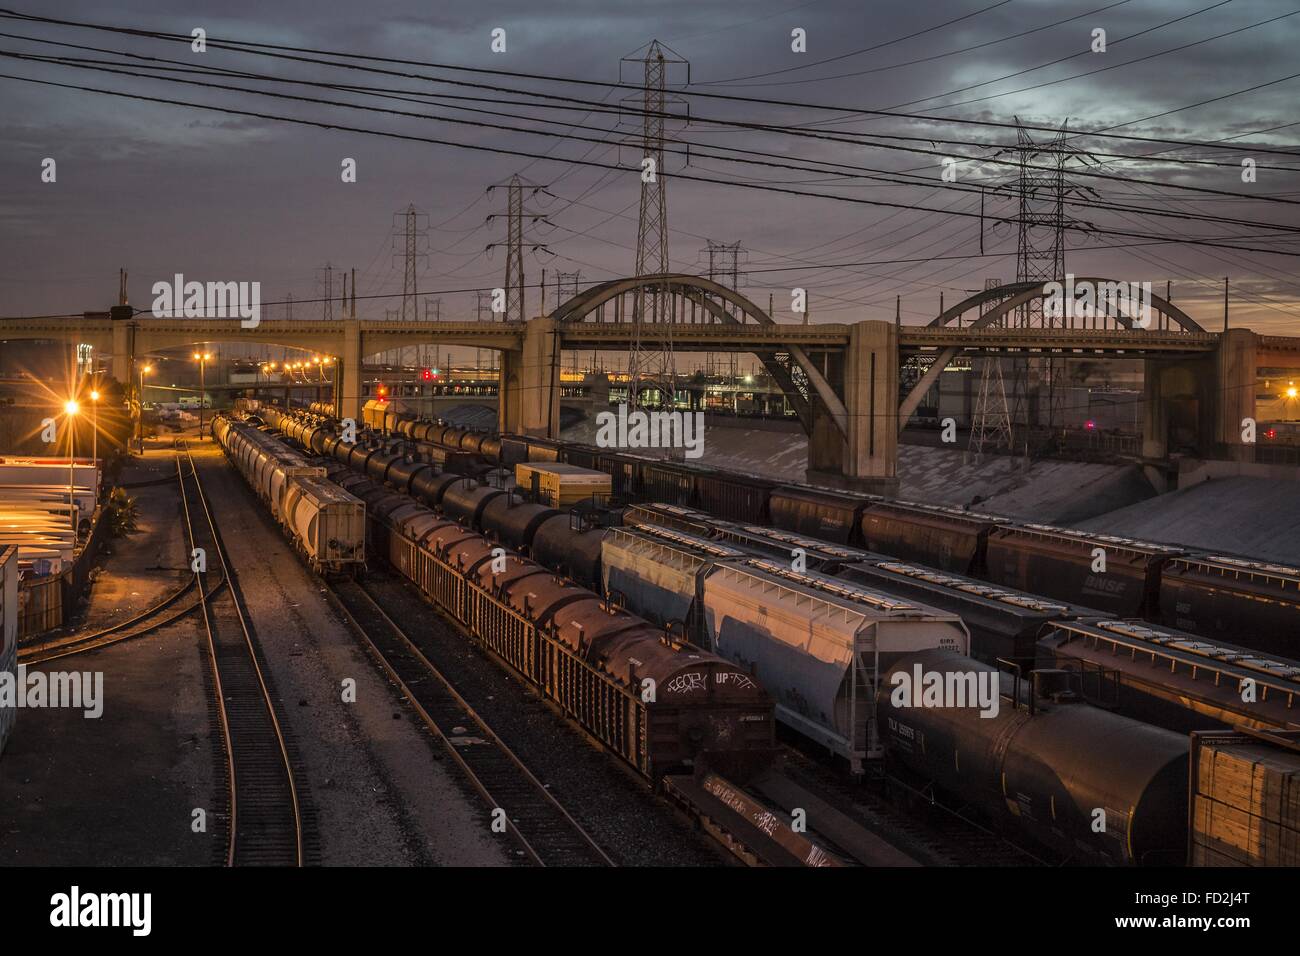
x=265, y=826
x=941, y=838
x=546, y=833
x=146, y=622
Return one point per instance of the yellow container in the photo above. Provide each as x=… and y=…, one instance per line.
x=560, y=485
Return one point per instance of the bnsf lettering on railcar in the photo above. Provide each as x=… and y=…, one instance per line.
x=1094, y=584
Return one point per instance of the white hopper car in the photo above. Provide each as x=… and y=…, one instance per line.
x=658, y=573
x=820, y=646
x=327, y=523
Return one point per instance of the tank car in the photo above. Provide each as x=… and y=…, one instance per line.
x=377, y=465
x=403, y=473
x=465, y=500
x=1089, y=784
x=514, y=522
x=429, y=487
x=563, y=543
x=472, y=442
x=517, y=448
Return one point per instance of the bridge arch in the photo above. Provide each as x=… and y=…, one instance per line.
x=995, y=307
x=1008, y=298
x=709, y=302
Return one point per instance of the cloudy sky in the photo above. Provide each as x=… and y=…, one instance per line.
x=159, y=188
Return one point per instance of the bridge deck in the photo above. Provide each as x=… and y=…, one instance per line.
x=380, y=334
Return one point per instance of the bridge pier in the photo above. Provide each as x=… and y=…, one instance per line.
x=863, y=455
x=528, y=388
x=1238, y=373
x=1195, y=405
x=347, y=402
x=123, y=352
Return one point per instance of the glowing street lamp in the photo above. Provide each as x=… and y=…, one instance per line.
x=202, y=358
x=94, y=426
x=139, y=422
x=70, y=408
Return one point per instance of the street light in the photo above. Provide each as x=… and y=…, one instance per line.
x=202, y=358
x=94, y=426
x=139, y=422
x=70, y=408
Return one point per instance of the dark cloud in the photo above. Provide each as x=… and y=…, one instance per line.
x=162, y=190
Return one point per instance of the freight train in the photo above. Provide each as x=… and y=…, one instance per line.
x=1004, y=622
x=324, y=522
x=1227, y=599
x=661, y=705
x=803, y=635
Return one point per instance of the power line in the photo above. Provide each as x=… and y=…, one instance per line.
x=869, y=49
x=257, y=48
x=320, y=124
x=1130, y=180
x=863, y=171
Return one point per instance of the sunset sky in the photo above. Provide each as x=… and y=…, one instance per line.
x=161, y=189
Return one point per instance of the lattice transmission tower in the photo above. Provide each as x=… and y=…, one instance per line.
x=325, y=286
x=566, y=286
x=724, y=269
x=516, y=244
x=650, y=353
x=1041, y=188
x=991, y=418
x=411, y=241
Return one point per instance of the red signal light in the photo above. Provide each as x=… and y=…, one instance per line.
x=427, y=375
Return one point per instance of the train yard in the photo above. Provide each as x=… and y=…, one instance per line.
x=621, y=682
x=533, y=619
x=683, y=449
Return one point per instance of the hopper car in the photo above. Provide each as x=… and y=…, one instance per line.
x=324, y=521
x=1174, y=679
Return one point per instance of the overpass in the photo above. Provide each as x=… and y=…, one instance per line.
x=842, y=380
